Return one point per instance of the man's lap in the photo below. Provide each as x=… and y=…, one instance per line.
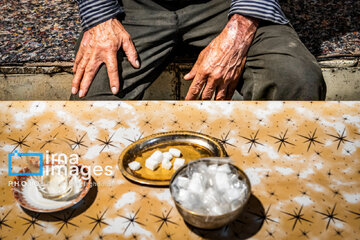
x=275, y=54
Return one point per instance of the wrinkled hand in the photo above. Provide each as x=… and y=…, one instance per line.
x=220, y=64
x=100, y=44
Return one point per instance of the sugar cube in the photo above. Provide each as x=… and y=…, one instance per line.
x=134, y=165
x=157, y=156
x=175, y=152
x=151, y=163
x=178, y=162
x=167, y=156
x=166, y=164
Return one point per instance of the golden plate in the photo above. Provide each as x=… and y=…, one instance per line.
x=192, y=145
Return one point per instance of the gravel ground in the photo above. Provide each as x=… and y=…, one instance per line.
x=46, y=30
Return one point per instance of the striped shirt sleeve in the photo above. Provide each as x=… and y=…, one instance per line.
x=268, y=10
x=94, y=12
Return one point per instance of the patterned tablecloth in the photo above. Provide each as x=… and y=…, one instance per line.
x=302, y=158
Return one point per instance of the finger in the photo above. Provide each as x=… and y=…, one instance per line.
x=192, y=73
x=130, y=52
x=231, y=89
x=78, y=76
x=78, y=58
x=234, y=82
x=194, y=69
x=112, y=69
x=89, y=74
x=209, y=90
x=196, y=87
x=221, y=92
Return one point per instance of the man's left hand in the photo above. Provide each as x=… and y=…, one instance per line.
x=219, y=65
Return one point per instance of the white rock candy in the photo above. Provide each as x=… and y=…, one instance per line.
x=222, y=181
x=175, y=152
x=196, y=183
x=182, y=182
x=214, y=190
x=167, y=156
x=134, y=165
x=212, y=168
x=224, y=168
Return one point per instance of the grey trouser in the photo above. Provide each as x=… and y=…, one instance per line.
x=278, y=66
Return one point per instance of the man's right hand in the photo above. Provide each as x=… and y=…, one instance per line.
x=100, y=44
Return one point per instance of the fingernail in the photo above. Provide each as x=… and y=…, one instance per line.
x=113, y=89
x=137, y=63
x=186, y=76
x=81, y=93
x=73, y=90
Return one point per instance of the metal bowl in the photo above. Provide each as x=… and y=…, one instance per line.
x=210, y=221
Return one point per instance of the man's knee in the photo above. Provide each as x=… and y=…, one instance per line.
x=304, y=81
x=283, y=77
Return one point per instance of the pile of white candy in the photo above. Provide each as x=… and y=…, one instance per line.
x=209, y=190
x=153, y=162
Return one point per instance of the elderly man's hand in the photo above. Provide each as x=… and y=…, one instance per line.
x=101, y=44
x=219, y=65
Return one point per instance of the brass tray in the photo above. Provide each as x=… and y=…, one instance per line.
x=192, y=145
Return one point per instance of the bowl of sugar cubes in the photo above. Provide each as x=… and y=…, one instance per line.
x=210, y=192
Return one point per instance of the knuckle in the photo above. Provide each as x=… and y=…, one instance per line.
x=127, y=37
x=82, y=67
x=89, y=70
x=216, y=74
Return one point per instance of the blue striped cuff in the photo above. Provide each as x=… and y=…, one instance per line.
x=94, y=12
x=268, y=10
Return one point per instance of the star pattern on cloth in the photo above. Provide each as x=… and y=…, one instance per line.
x=107, y=142
x=20, y=142
x=164, y=219
x=98, y=220
x=311, y=139
x=330, y=216
x=49, y=141
x=282, y=140
x=132, y=219
x=340, y=138
x=264, y=216
x=77, y=143
x=253, y=140
x=31, y=222
x=4, y=220
x=356, y=213
x=65, y=220
x=225, y=140
x=297, y=216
